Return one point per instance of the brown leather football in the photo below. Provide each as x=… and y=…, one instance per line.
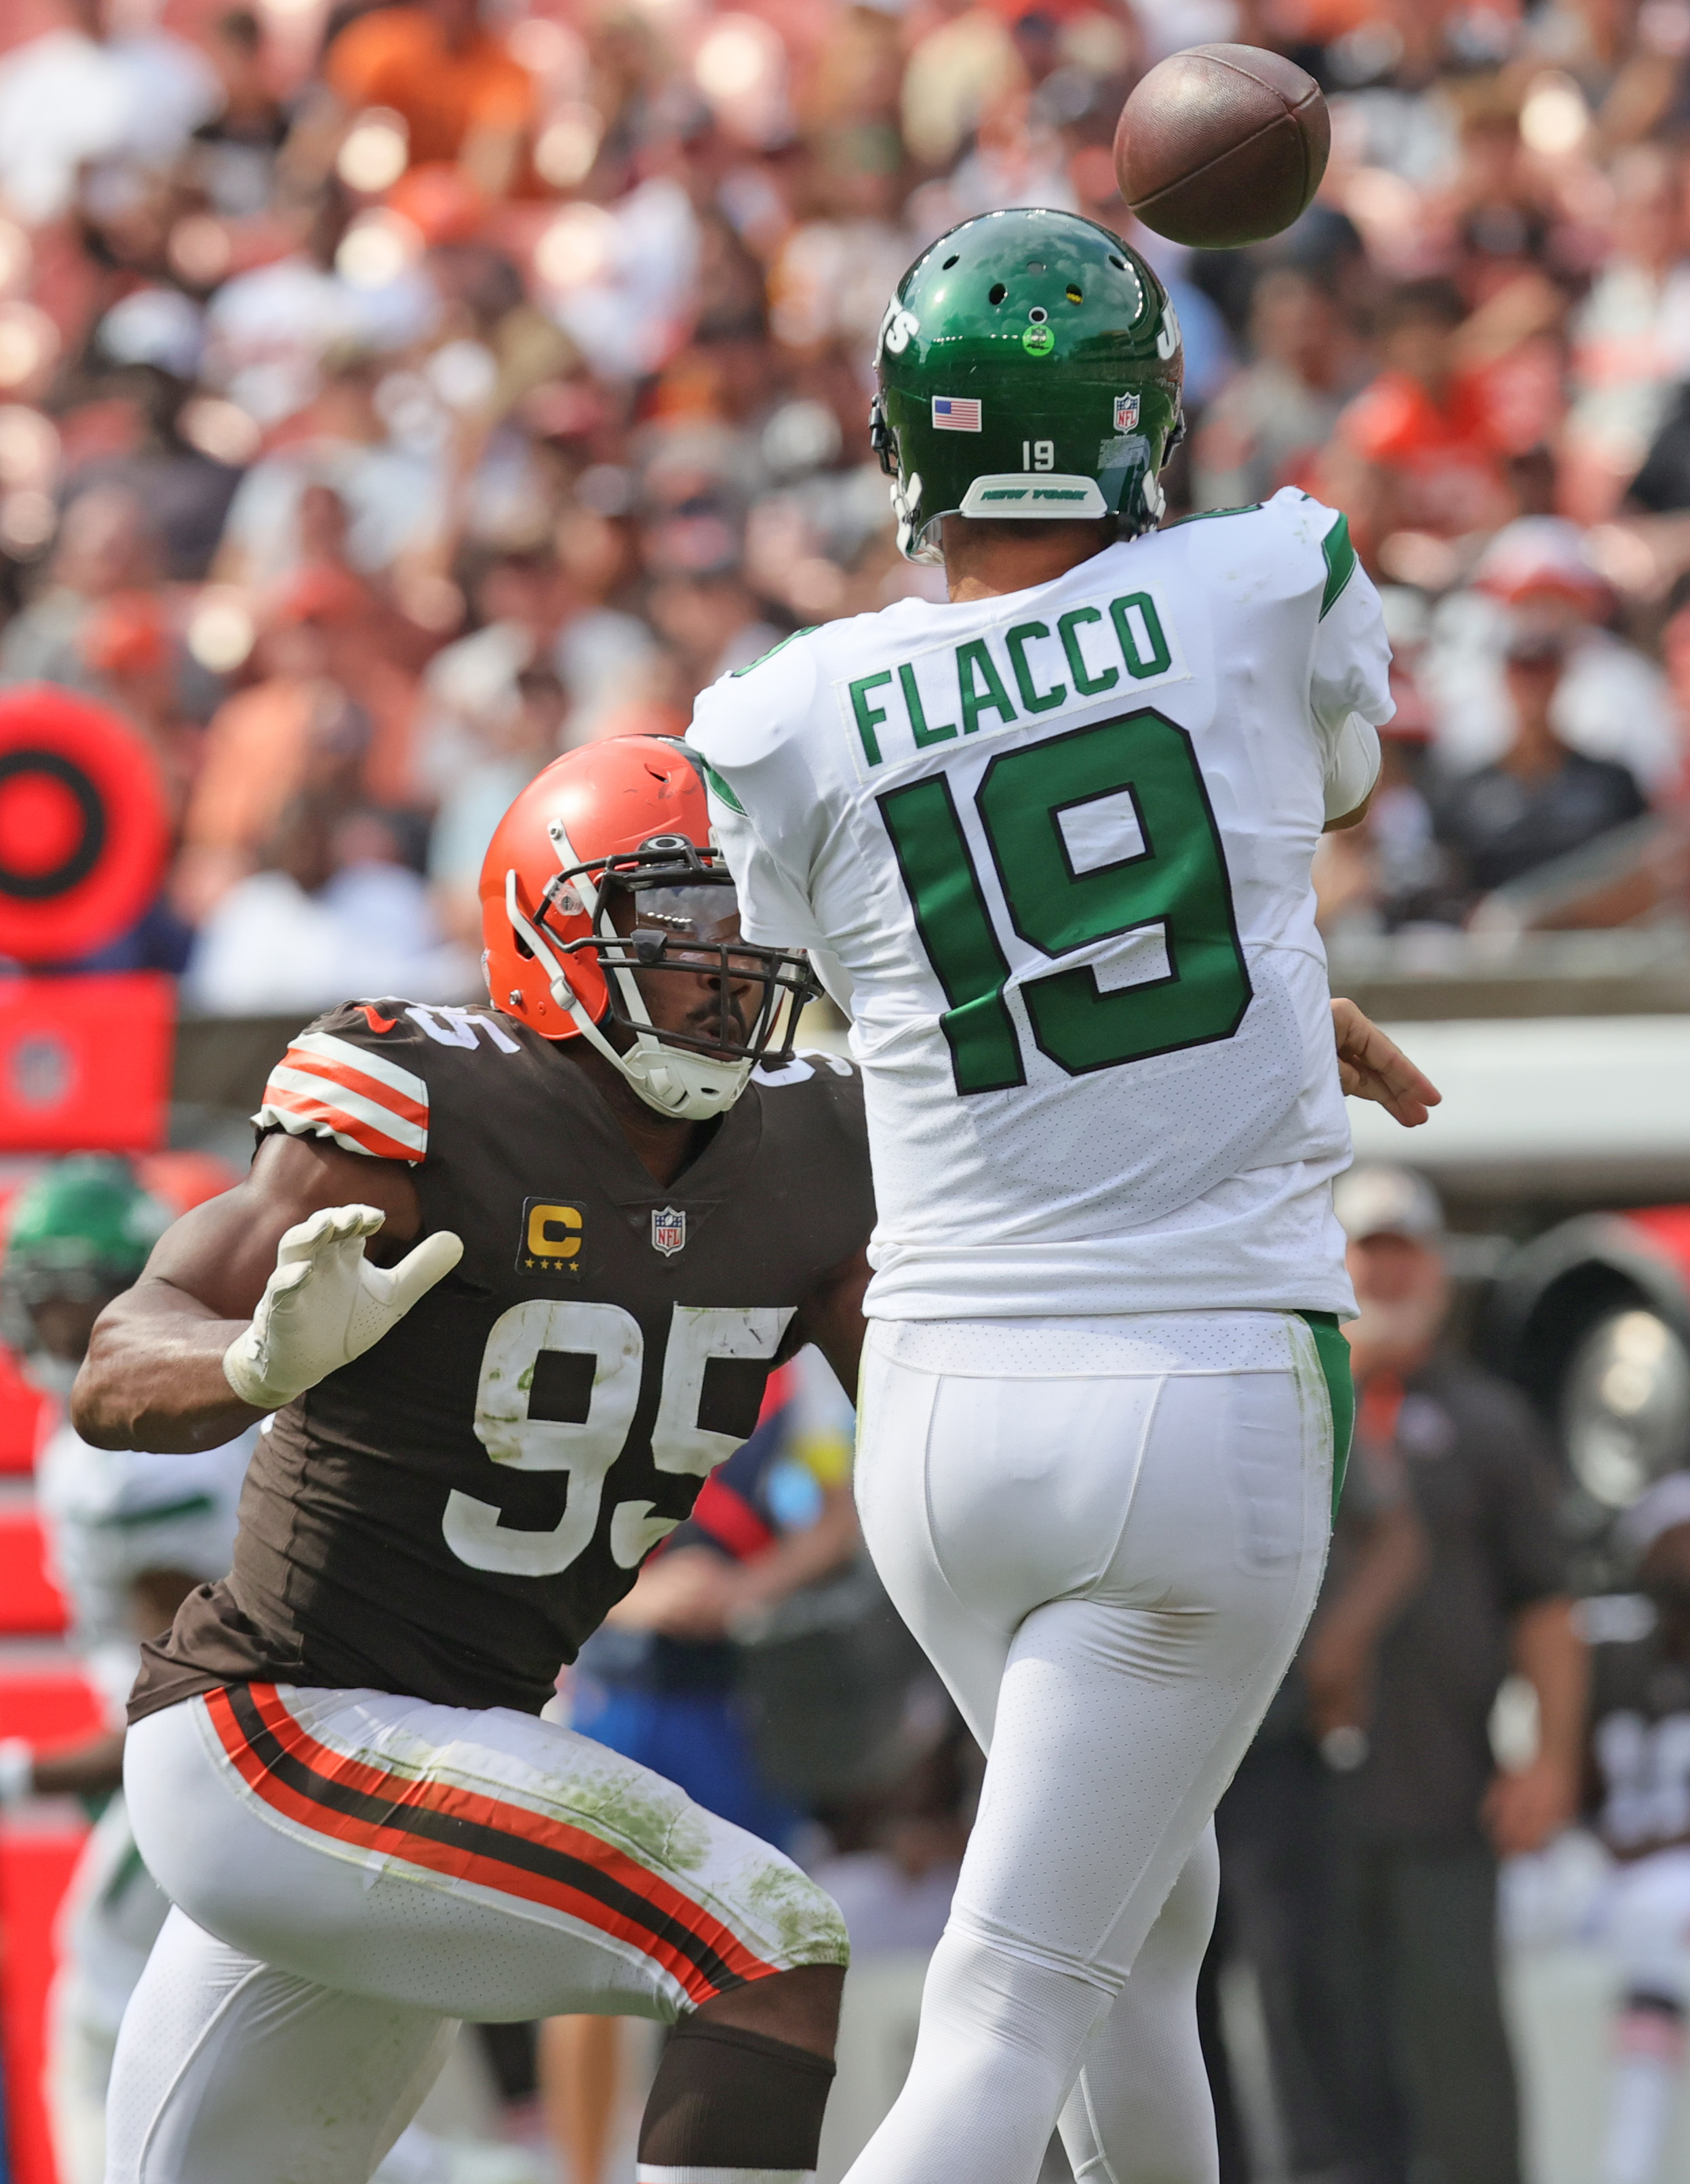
x=1222, y=145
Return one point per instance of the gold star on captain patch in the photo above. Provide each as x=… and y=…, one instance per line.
x=550, y=1238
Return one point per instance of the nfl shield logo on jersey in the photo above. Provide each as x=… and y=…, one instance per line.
x=669, y=1231
x=1126, y=412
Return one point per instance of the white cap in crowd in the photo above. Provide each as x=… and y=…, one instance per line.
x=1380, y=1201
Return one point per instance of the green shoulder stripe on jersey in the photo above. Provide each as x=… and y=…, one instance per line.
x=190, y=1505
x=1333, y=1352
x=1209, y=514
x=1340, y=560
x=718, y=786
x=736, y=672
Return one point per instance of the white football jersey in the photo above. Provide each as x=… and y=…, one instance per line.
x=1051, y=853
x=110, y=1515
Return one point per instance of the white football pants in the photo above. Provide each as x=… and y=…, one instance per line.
x=353, y=1871
x=1107, y=1534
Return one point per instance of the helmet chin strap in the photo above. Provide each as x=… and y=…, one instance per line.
x=685, y=1087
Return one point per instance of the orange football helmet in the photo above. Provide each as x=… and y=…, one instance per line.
x=620, y=830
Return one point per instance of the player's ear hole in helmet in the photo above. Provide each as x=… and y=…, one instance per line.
x=602, y=882
x=1030, y=367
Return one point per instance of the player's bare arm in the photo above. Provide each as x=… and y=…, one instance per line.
x=155, y=1376
x=831, y=1316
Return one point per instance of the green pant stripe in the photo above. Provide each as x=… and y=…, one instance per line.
x=1334, y=1355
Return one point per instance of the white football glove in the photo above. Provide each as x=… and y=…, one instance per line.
x=325, y=1304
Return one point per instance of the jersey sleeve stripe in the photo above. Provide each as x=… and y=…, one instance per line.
x=364, y=1101
x=300, y=1067
x=303, y=1113
x=347, y=1101
x=492, y=1842
x=369, y=1073
x=1339, y=556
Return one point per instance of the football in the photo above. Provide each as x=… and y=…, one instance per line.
x=1221, y=146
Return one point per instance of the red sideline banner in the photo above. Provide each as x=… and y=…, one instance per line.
x=21, y=1412
x=85, y=1063
x=37, y=1857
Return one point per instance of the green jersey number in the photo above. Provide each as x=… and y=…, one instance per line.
x=1032, y=804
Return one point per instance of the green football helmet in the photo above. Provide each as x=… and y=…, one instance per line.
x=83, y=1230
x=1030, y=365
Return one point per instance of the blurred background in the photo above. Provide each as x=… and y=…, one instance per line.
x=393, y=397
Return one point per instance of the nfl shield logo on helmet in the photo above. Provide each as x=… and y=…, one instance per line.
x=669, y=1231
x=1126, y=412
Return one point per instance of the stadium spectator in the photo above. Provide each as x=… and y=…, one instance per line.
x=1390, y=871
x=233, y=157
x=516, y=737
x=459, y=92
x=1630, y=338
x=105, y=546
x=270, y=327
x=293, y=728
x=1418, y=450
x=895, y=1871
x=95, y=94
x=1403, y=1661
x=331, y=909
x=391, y=489
x=154, y=338
x=471, y=684
x=1541, y=799
x=1611, y=700
x=1268, y=424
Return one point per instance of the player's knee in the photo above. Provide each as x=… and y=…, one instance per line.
x=729, y=2095
x=991, y=1998
x=802, y=1930
x=799, y=2008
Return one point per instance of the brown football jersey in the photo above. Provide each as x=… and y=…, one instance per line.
x=450, y=1515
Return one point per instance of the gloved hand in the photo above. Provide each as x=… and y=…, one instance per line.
x=325, y=1304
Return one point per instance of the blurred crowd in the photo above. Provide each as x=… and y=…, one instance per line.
x=393, y=397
